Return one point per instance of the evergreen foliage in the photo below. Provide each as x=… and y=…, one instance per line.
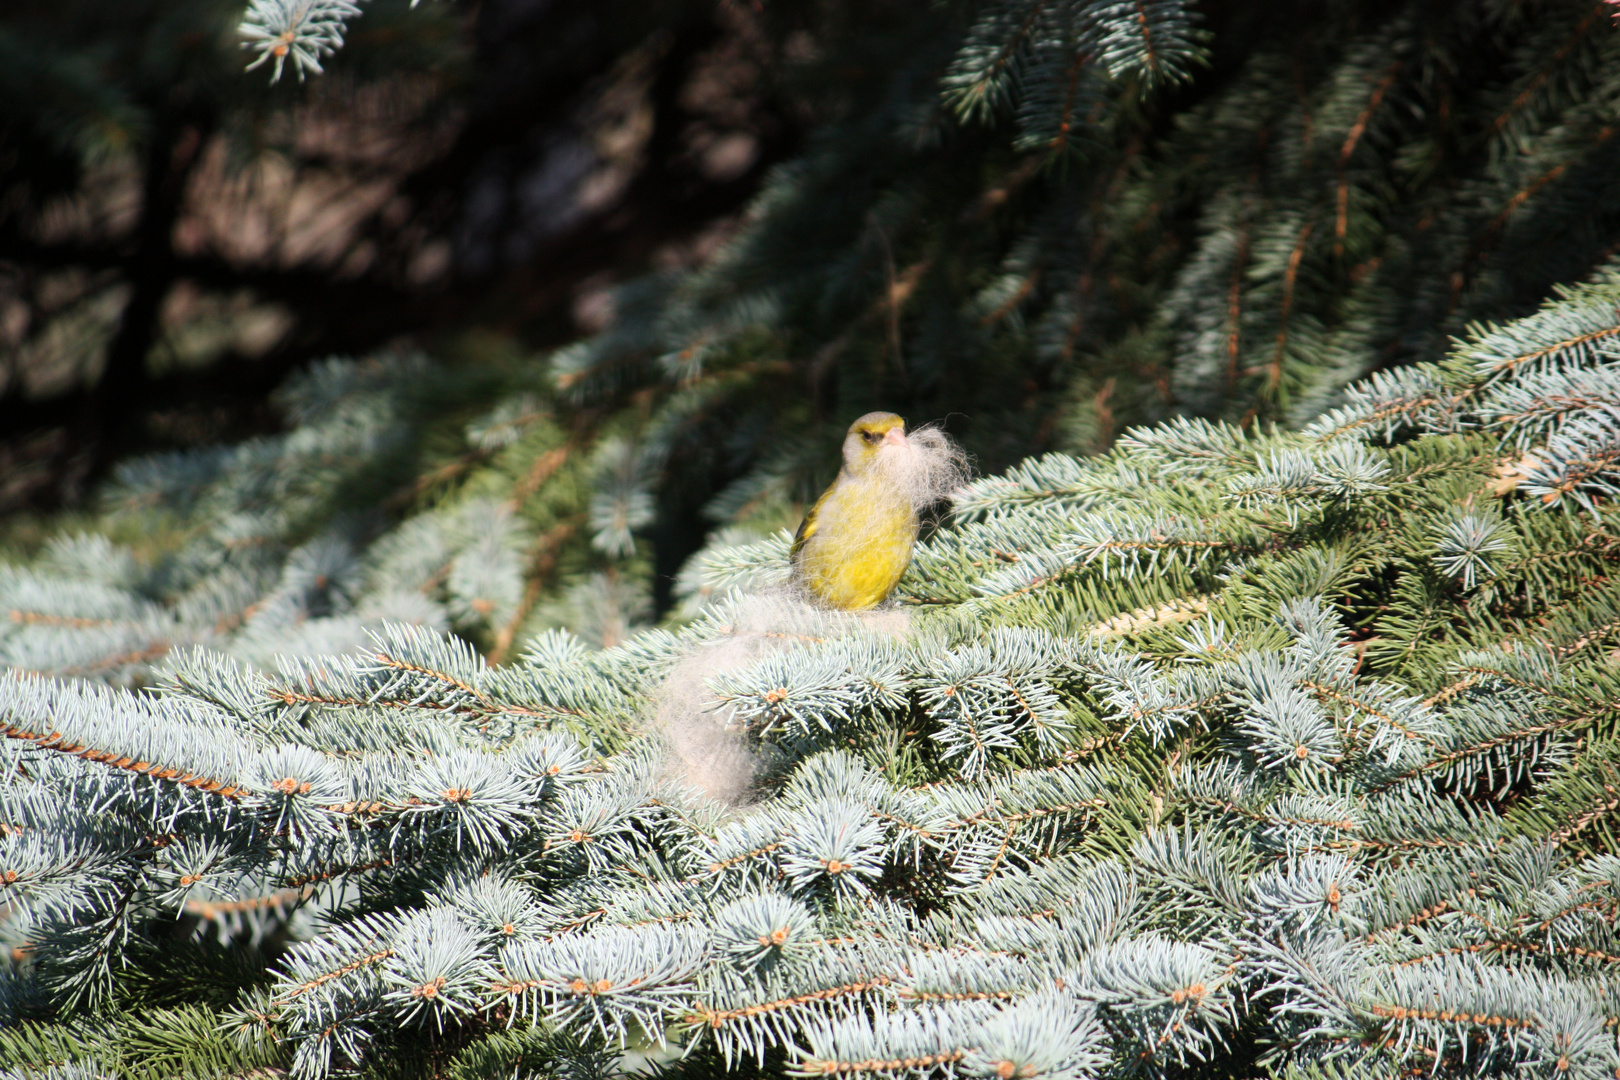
x=272, y=546
x=1278, y=738
x=1224, y=751
x=1046, y=222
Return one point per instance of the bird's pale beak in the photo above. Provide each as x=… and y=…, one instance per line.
x=895, y=435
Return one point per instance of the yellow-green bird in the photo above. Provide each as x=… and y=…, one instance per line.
x=856, y=540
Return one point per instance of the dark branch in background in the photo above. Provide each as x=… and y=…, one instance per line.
x=150, y=271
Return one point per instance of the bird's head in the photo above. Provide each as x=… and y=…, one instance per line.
x=869, y=437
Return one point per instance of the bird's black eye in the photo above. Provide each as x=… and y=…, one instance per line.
x=870, y=436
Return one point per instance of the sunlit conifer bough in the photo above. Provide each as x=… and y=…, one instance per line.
x=1226, y=752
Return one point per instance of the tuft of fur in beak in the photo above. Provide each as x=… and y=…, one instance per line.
x=926, y=467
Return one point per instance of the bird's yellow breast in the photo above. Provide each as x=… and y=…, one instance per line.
x=856, y=543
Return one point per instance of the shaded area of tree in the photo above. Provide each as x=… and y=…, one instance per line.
x=458, y=165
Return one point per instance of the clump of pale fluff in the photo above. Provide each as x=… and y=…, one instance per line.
x=707, y=750
x=709, y=746
x=928, y=466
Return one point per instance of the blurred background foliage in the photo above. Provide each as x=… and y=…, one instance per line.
x=615, y=276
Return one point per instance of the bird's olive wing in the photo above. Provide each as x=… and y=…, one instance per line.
x=812, y=521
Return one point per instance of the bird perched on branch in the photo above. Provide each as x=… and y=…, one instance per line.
x=856, y=541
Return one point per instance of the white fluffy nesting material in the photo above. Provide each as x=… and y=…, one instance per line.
x=928, y=467
x=709, y=748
